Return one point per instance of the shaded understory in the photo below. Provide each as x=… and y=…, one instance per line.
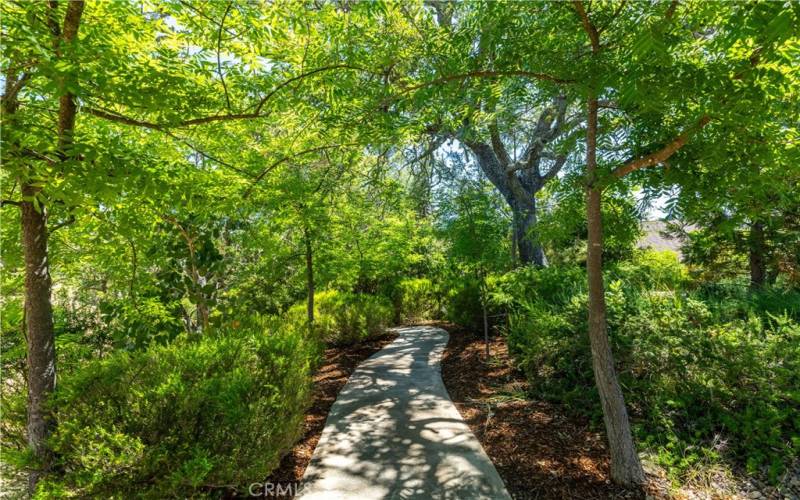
x=538, y=450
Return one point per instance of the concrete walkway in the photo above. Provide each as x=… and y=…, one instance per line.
x=394, y=433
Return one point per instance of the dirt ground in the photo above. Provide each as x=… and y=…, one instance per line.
x=539, y=452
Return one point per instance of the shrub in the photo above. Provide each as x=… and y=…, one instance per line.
x=184, y=418
x=416, y=300
x=653, y=269
x=700, y=380
x=342, y=318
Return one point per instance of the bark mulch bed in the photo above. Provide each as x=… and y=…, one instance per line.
x=538, y=450
x=332, y=375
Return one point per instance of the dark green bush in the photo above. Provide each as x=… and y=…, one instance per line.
x=182, y=419
x=700, y=379
x=463, y=303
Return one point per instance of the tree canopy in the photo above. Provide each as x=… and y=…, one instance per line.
x=172, y=169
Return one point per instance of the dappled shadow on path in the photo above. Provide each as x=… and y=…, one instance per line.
x=394, y=433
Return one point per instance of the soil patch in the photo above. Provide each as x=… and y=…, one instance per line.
x=539, y=451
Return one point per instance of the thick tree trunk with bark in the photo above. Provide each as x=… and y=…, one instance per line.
x=758, y=263
x=40, y=334
x=41, y=354
x=524, y=220
x=625, y=465
x=518, y=181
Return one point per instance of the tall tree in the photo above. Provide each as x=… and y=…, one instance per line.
x=41, y=356
x=611, y=66
x=518, y=180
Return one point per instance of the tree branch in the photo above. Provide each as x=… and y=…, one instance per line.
x=545, y=130
x=487, y=74
x=558, y=164
x=662, y=154
x=115, y=117
x=434, y=145
x=301, y=76
x=274, y=165
x=671, y=10
x=588, y=27
x=497, y=145
x=219, y=61
x=119, y=118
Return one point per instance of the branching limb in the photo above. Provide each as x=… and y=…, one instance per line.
x=588, y=27
x=498, y=146
x=554, y=169
x=219, y=60
x=119, y=118
x=662, y=154
x=284, y=159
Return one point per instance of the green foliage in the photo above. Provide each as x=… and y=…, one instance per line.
x=563, y=228
x=704, y=375
x=651, y=269
x=463, y=302
x=475, y=224
x=182, y=419
x=342, y=318
x=416, y=299
x=215, y=141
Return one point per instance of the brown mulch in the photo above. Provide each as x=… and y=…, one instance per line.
x=538, y=450
x=331, y=376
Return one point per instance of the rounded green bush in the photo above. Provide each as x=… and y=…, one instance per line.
x=182, y=419
x=416, y=300
x=694, y=374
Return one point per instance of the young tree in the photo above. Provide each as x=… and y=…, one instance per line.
x=475, y=226
x=659, y=40
x=38, y=309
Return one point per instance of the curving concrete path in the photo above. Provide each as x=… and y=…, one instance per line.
x=394, y=433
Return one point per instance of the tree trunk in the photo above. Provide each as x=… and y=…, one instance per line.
x=40, y=334
x=309, y=281
x=625, y=466
x=38, y=308
x=758, y=264
x=530, y=251
x=485, y=322
x=514, y=246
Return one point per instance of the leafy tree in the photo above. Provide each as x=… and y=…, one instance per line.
x=474, y=225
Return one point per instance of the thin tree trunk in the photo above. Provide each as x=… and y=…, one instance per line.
x=485, y=326
x=40, y=334
x=758, y=264
x=625, y=465
x=309, y=281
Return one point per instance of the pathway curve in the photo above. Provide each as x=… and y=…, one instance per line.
x=394, y=433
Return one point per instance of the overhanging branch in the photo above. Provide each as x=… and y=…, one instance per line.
x=126, y=120
x=284, y=159
x=662, y=154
